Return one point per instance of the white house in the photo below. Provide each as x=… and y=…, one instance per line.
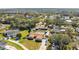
x=77, y=29
x=69, y=20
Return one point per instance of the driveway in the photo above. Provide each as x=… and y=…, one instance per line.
x=43, y=46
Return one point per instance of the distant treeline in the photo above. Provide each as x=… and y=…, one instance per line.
x=39, y=10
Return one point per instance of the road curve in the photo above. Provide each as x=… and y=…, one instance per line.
x=18, y=44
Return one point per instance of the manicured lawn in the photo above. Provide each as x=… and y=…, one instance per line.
x=2, y=30
x=32, y=45
x=28, y=43
x=24, y=33
x=14, y=45
x=1, y=36
x=8, y=26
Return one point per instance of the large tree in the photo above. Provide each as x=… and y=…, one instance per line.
x=60, y=40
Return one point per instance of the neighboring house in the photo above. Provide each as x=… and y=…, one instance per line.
x=54, y=16
x=62, y=30
x=69, y=21
x=77, y=29
x=56, y=28
x=64, y=27
x=11, y=33
x=45, y=17
x=50, y=26
x=28, y=16
x=77, y=37
x=65, y=17
x=41, y=26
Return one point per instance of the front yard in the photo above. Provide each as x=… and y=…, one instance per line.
x=14, y=45
x=30, y=44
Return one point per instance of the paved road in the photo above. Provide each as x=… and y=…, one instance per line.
x=18, y=44
x=10, y=47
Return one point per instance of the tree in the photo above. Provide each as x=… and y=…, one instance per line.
x=74, y=24
x=49, y=21
x=19, y=35
x=58, y=22
x=60, y=40
x=70, y=32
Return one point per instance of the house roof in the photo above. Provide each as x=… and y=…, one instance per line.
x=13, y=31
x=37, y=35
x=69, y=20
x=77, y=29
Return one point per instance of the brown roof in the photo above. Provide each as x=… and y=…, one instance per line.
x=37, y=35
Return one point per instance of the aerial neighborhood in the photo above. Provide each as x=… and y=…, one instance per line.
x=39, y=29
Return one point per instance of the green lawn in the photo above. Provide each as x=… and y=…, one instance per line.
x=24, y=34
x=1, y=36
x=8, y=27
x=30, y=44
x=14, y=45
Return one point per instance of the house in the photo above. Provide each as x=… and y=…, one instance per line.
x=54, y=16
x=62, y=30
x=59, y=29
x=45, y=17
x=77, y=29
x=11, y=33
x=65, y=17
x=41, y=26
x=36, y=35
x=50, y=26
x=27, y=15
x=56, y=28
x=69, y=21
x=77, y=37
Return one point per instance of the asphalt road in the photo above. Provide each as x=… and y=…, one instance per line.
x=18, y=44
